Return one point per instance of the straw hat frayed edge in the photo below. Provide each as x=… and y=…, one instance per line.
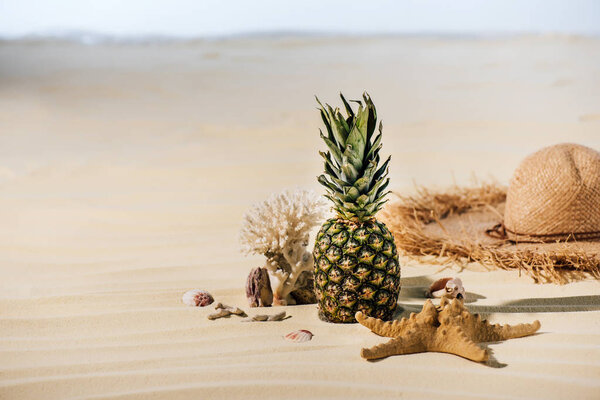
x=451, y=226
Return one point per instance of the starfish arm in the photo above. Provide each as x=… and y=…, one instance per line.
x=453, y=340
x=492, y=333
x=401, y=345
x=478, y=330
x=381, y=328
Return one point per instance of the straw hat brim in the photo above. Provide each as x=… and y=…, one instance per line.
x=451, y=226
x=476, y=226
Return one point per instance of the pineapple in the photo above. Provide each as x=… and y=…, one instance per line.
x=356, y=262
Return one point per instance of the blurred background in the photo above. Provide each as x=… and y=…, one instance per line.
x=134, y=133
x=213, y=18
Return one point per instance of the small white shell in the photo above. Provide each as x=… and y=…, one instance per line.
x=451, y=287
x=299, y=336
x=197, y=298
x=455, y=288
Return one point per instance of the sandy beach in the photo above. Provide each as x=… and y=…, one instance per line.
x=125, y=170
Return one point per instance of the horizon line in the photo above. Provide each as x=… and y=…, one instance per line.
x=96, y=37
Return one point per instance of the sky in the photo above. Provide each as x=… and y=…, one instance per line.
x=205, y=18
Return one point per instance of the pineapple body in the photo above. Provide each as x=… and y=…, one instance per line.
x=356, y=262
x=356, y=269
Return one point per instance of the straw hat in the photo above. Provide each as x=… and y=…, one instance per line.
x=547, y=222
x=554, y=195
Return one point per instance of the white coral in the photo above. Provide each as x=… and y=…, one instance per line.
x=279, y=228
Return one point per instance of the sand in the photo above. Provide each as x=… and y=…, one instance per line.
x=125, y=171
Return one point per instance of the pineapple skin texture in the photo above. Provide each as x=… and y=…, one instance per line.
x=356, y=269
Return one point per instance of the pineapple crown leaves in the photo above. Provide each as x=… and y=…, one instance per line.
x=353, y=178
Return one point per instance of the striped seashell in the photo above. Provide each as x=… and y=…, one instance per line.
x=299, y=336
x=197, y=298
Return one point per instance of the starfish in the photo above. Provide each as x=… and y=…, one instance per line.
x=449, y=328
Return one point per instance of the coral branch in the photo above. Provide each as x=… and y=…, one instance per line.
x=279, y=228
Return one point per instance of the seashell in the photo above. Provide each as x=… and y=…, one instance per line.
x=277, y=317
x=451, y=287
x=219, y=314
x=231, y=310
x=197, y=298
x=262, y=318
x=299, y=336
x=226, y=311
x=455, y=288
x=436, y=286
x=238, y=311
x=258, y=288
